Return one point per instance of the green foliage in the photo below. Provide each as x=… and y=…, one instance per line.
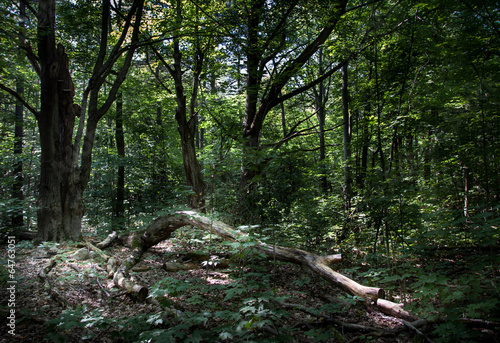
x=424, y=87
x=126, y=329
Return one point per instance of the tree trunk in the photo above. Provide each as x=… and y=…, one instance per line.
x=187, y=128
x=321, y=97
x=56, y=213
x=192, y=167
x=347, y=140
x=252, y=124
x=365, y=139
x=17, y=187
x=259, y=105
x=62, y=180
x=347, y=152
x=162, y=228
x=120, y=147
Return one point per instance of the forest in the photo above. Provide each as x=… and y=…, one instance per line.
x=250, y=170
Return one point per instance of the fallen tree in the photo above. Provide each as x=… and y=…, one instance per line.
x=162, y=228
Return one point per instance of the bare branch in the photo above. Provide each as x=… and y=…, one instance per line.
x=20, y=99
x=305, y=132
x=27, y=4
x=35, y=62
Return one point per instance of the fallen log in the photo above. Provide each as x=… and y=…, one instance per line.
x=162, y=228
x=108, y=241
x=318, y=264
x=121, y=275
x=395, y=310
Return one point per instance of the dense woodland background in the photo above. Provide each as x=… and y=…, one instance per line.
x=367, y=128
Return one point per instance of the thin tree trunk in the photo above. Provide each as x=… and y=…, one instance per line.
x=347, y=151
x=347, y=140
x=380, y=150
x=466, y=192
x=366, y=137
x=17, y=188
x=320, y=99
x=120, y=147
x=187, y=128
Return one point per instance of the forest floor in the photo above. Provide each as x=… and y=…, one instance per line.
x=78, y=302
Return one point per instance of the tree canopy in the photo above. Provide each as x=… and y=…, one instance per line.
x=320, y=124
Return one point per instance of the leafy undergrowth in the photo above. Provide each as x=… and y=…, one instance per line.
x=254, y=299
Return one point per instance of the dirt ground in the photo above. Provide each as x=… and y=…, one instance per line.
x=221, y=295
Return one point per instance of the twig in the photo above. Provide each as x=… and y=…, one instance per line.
x=327, y=318
x=417, y=331
x=74, y=267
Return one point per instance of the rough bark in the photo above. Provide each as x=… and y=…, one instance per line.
x=347, y=139
x=62, y=179
x=162, y=228
x=347, y=152
x=56, y=121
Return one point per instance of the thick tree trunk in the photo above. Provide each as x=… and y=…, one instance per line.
x=164, y=226
x=193, y=173
x=58, y=214
x=252, y=125
x=62, y=181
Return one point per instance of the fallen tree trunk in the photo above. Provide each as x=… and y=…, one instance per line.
x=162, y=228
x=121, y=275
x=395, y=310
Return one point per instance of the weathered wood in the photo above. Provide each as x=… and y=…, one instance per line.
x=81, y=254
x=121, y=275
x=44, y=272
x=108, y=241
x=395, y=310
x=175, y=267
x=318, y=264
x=111, y=267
x=162, y=228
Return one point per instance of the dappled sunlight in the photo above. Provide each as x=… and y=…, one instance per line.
x=212, y=277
